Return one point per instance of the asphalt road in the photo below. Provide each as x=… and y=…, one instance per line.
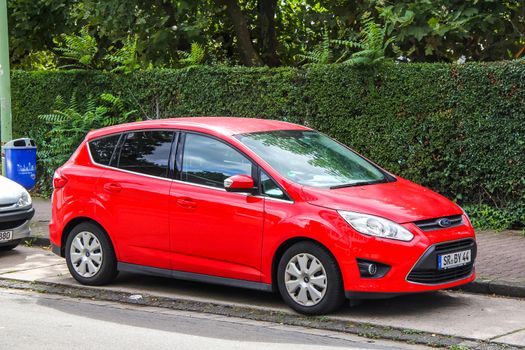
x=37, y=321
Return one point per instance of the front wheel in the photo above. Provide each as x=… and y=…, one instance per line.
x=90, y=256
x=309, y=279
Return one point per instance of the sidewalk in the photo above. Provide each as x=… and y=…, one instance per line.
x=40, y=222
x=500, y=264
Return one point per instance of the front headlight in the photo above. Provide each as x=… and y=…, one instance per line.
x=376, y=226
x=466, y=215
x=24, y=200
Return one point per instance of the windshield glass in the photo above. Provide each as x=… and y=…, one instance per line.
x=312, y=159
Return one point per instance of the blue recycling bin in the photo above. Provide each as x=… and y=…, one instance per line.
x=20, y=162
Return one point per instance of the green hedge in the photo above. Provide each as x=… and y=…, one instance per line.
x=458, y=129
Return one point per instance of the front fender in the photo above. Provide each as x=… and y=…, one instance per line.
x=304, y=221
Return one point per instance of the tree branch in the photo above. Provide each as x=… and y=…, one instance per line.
x=266, y=19
x=249, y=55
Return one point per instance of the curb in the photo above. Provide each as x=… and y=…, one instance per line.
x=495, y=287
x=328, y=323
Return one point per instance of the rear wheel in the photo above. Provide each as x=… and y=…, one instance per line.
x=90, y=256
x=309, y=279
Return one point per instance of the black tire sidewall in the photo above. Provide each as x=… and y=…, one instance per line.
x=108, y=270
x=334, y=296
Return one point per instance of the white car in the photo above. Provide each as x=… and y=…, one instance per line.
x=16, y=210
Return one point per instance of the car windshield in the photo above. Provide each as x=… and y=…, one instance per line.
x=312, y=159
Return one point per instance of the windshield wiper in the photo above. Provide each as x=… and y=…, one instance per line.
x=362, y=183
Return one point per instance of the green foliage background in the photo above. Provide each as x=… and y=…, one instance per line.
x=458, y=129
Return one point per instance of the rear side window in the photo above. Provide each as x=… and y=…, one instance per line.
x=209, y=162
x=102, y=149
x=146, y=152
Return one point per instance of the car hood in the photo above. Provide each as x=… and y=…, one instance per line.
x=400, y=201
x=10, y=191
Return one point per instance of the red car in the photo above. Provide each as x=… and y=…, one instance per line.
x=253, y=203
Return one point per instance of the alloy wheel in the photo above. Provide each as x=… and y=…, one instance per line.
x=86, y=254
x=305, y=279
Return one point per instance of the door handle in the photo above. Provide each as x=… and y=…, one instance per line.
x=112, y=187
x=187, y=203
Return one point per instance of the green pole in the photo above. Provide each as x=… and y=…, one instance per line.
x=5, y=83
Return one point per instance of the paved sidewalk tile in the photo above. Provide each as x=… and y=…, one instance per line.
x=501, y=256
x=42, y=209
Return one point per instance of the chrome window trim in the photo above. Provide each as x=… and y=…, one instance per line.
x=208, y=187
x=254, y=163
x=152, y=176
x=126, y=171
x=275, y=199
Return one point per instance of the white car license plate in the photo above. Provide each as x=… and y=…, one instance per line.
x=447, y=261
x=6, y=236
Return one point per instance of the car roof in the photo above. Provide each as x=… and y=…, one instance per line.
x=219, y=125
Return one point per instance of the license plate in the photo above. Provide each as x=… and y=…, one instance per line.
x=6, y=236
x=447, y=261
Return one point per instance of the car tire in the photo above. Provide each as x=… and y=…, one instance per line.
x=309, y=279
x=12, y=245
x=90, y=256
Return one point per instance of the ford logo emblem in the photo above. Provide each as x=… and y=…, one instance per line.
x=444, y=222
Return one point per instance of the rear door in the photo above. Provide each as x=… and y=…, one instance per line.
x=133, y=193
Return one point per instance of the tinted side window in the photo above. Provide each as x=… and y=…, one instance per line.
x=146, y=152
x=102, y=149
x=207, y=161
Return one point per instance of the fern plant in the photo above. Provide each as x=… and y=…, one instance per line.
x=195, y=57
x=80, y=48
x=322, y=54
x=371, y=48
x=125, y=59
x=68, y=125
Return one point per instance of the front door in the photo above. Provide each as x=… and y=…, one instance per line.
x=214, y=232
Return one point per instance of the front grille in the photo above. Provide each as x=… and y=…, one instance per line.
x=426, y=270
x=441, y=276
x=11, y=224
x=453, y=246
x=6, y=205
x=433, y=224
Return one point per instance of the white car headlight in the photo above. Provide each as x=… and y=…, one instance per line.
x=24, y=200
x=466, y=215
x=376, y=226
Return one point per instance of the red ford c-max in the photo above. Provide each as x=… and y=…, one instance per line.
x=253, y=203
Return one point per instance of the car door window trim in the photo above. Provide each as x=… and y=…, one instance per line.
x=175, y=163
x=254, y=165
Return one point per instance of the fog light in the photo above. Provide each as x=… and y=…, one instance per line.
x=372, y=269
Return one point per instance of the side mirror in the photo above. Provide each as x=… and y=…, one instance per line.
x=240, y=184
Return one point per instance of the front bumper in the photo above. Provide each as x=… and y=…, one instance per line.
x=413, y=265
x=18, y=222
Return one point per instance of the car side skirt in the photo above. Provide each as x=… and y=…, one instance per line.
x=194, y=277
x=376, y=295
